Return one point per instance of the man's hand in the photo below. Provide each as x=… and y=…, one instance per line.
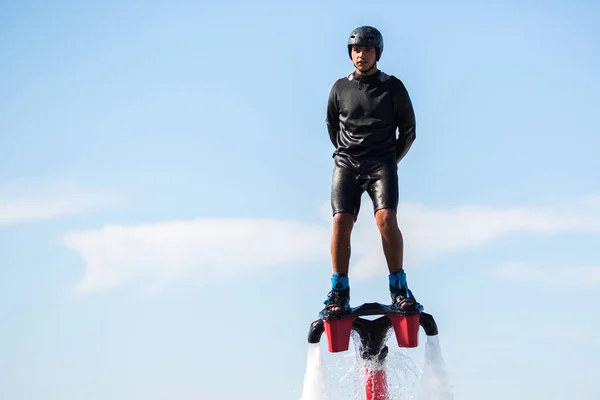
x=404, y=143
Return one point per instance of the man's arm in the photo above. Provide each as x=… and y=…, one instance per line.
x=405, y=121
x=333, y=121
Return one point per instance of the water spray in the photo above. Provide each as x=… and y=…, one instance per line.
x=373, y=334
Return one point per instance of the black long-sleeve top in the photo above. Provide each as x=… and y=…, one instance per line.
x=363, y=115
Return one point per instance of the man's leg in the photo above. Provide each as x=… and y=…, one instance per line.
x=383, y=189
x=345, y=203
x=341, y=243
x=340, y=258
x=391, y=238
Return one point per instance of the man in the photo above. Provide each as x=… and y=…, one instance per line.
x=364, y=110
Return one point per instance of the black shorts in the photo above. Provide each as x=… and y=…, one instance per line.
x=380, y=181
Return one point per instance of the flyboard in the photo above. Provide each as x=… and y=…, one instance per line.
x=373, y=333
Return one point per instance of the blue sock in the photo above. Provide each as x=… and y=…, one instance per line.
x=397, y=279
x=339, y=282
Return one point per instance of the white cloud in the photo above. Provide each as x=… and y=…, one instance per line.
x=429, y=232
x=26, y=202
x=204, y=250
x=583, y=276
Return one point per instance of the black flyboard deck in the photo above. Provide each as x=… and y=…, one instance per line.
x=362, y=325
x=369, y=309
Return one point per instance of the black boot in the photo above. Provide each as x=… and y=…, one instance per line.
x=402, y=297
x=338, y=299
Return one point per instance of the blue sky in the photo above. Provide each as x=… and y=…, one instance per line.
x=164, y=193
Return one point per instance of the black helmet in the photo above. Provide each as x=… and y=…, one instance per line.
x=366, y=36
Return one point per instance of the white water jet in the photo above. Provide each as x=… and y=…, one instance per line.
x=314, y=378
x=435, y=384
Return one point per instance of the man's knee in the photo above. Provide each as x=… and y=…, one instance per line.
x=343, y=221
x=386, y=219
